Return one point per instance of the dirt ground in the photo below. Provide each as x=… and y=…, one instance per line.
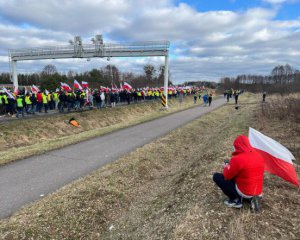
x=164, y=190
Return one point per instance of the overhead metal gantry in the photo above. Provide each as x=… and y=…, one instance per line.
x=98, y=49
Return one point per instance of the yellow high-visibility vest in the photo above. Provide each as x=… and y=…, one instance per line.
x=44, y=98
x=49, y=97
x=5, y=99
x=27, y=100
x=19, y=102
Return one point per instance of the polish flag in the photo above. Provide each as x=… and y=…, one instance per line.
x=77, y=85
x=34, y=89
x=278, y=159
x=102, y=88
x=127, y=86
x=84, y=84
x=65, y=86
x=8, y=93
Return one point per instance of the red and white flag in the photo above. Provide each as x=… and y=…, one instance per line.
x=8, y=93
x=34, y=89
x=65, y=86
x=278, y=159
x=84, y=84
x=16, y=90
x=127, y=86
x=77, y=85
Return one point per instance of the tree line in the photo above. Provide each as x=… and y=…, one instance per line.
x=49, y=78
x=282, y=79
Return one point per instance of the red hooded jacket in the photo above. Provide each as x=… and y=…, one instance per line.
x=246, y=167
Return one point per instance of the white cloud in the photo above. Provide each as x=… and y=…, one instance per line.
x=204, y=45
x=277, y=2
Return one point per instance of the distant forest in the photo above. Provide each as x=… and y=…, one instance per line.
x=282, y=79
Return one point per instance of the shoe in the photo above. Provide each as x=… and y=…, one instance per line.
x=233, y=203
x=256, y=204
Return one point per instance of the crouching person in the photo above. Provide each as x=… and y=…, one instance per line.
x=242, y=176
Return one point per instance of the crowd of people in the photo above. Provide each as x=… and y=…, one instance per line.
x=22, y=101
x=229, y=93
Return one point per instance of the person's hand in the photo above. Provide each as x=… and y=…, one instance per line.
x=224, y=165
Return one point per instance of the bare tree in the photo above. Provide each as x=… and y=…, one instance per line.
x=49, y=70
x=149, y=71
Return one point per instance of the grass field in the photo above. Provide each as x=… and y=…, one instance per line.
x=164, y=190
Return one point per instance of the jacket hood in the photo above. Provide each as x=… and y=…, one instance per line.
x=241, y=144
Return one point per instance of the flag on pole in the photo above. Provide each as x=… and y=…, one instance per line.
x=77, y=85
x=84, y=84
x=65, y=86
x=127, y=86
x=34, y=89
x=278, y=159
x=8, y=93
x=46, y=92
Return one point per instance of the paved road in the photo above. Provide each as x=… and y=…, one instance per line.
x=26, y=180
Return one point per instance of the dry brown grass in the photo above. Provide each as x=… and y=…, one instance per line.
x=282, y=114
x=164, y=190
x=27, y=137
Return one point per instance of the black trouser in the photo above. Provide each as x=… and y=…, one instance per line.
x=227, y=186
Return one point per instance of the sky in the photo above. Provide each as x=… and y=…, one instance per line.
x=209, y=39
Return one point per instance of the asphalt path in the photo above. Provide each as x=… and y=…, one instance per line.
x=32, y=178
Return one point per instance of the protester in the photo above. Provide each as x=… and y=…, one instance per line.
x=243, y=176
x=102, y=97
x=28, y=103
x=209, y=99
x=195, y=98
x=20, y=106
x=113, y=99
x=264, y=96
x=236, y=97
x=205, y=99
x=33, y=103
x=4, y=103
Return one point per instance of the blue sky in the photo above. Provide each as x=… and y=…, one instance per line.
x=289, y=10
x=209, y=39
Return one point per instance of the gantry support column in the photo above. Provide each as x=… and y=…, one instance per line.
x=14, y=73
x=166, y=78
